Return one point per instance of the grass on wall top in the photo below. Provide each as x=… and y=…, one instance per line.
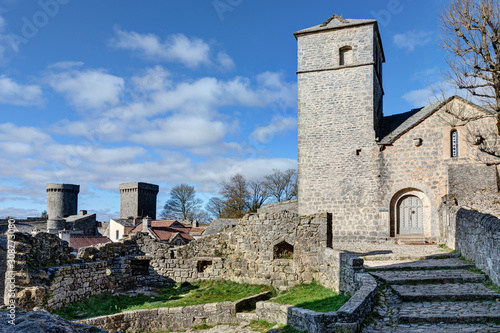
x=202, y=292
x=313, y=296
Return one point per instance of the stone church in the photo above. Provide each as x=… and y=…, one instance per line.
x=381, y=177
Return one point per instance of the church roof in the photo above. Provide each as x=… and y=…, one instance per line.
x=335, y=22
x=393, y=127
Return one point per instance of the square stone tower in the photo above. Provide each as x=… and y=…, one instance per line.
x=339, y=110
x=138, y=200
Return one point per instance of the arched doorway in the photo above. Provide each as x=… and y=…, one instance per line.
x=410, y=213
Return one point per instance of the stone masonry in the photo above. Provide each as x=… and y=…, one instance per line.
x=62, y=200
x=362, y=167
x=138, y=200
x=338, y=107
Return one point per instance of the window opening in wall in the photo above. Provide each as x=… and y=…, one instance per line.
x=178, y=242
x=283, y=250
x=454, y=143
x=345, y=56
x=139, y=267
x=203, y=265
x=117, y=234
x=358, y=152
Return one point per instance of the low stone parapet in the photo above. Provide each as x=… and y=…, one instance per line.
x=178, y=318
x=348, y=318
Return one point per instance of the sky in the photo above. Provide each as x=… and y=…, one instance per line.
x=98, y=93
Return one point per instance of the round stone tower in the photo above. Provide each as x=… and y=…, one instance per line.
x=62, y=200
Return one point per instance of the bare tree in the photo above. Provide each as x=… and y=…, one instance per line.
x=282, y=185
x=215, y=207
x=258, y=195
x=471, y=36
x=235, y=195
x=182, y=204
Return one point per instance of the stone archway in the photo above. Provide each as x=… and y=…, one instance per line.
x=410, y=213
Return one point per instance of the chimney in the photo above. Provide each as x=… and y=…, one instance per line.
x=146, y=223
x=82, y=212
x=64, y=235
x=195, y=224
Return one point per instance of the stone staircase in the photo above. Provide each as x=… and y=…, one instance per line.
x=433, y=295
x=418, y=239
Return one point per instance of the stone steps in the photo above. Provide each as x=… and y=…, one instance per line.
x=450, y=312
x=429, y=276
x=447, y=263
x=444, y=292
x=375, y=256
x=418, y=239
x=433, y=295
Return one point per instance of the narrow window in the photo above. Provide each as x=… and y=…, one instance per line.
x=117, y=234
x=345, y=56
x=454, y=143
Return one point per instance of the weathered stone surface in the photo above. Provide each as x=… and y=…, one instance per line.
x=476, y=236
x=41, y=322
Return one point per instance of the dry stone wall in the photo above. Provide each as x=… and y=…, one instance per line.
x=476, y=236
x=217, y=225
x=291, y=206
x=167, y=319
x=348, y=318
x=280, y=249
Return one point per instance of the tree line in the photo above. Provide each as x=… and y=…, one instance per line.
x=237, y=196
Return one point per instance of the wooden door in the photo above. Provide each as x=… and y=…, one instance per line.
x=410, y=215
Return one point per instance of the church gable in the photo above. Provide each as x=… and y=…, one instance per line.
x=452, y=112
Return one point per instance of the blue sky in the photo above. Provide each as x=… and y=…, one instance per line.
x=98, y=93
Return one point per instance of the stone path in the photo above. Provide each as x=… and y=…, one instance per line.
x=432, y=295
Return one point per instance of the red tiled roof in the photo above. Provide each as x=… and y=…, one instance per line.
x=167, y=229
x=196, y=230
x=76, y=242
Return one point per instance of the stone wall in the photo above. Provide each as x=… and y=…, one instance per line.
x=167, y=319
x=476, y=236
x=3, y=270
x=337, y=112
x=218, y=225
x=275, y=249
x=348, y=318
x=291, y=206
x=474, y=187
x=86, y=224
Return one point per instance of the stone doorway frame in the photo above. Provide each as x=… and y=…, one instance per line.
x=426, y=210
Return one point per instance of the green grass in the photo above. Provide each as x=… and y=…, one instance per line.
x=313, y=297
x=261, y=326
x=185, y=294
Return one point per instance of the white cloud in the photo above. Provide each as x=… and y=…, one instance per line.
x=18, y=94
x=182, y=131
x=88, y=89
x=19, y=213
x=278, y=124
x=192, y=52
x=65, y=65
x=412, y=39
x=12, y=133
x=419, y=97
x=225, y=61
